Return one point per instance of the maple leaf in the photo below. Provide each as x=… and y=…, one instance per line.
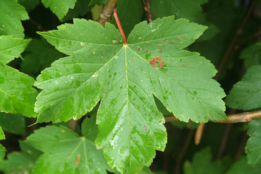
x=78, y=156
x=12, y=12
x=17, y=95
x=125, y=77
x=253, y=148
x=246, y=94
x=59, y=8
x=20, y=162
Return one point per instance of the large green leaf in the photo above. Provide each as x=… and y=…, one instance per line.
x=252, y=55
x=67, y=152
x=101, y=68
x=253, y=148
x=11, y=15
x=246, y=94
x=12, y=123
x=16, y=92
x=60, y=8
x=241, y=167
x=20, y=162
x=202, y=164
x=40, y=54
x=2, y=149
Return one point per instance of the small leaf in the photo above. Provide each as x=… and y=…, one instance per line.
x=65, y=151
x=12, y=123
x=241, y=167
x=2, y=149
x=252, y=55
x=253, y=149
x=246, y=94
x=11, y=15
x=16, y=92
x=202, y=164
x=59, y=8
x=20, y=162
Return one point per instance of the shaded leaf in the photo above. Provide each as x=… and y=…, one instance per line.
x=16, y=92
x=65, y=151
x=59, y=8
x=246, y=94
x=253, y=149
x=252, y=55
x=241, y=167
x=40, y=54
x=100, y=67
x=2, y=149
x=12, y=123
x=202, y=164
x=29, y=4
x=187, y=9
x=81, y=8
x=20, y=162
x=11, y=15
x=98, y=2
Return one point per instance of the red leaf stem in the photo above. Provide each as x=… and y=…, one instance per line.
x=119, y=26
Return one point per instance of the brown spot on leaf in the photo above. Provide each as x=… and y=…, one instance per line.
x=145, y=128
x=62, y=130
x=77, y=160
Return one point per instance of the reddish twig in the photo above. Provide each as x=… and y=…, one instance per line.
x=119, y=26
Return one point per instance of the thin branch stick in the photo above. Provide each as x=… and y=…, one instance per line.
x=228, y=54
x=199, y=133
x=73, y=124
x=183, y=150
x=223, y=143
x=39, y=26
x=233, y=118
x=225, y=137
x=148, y=11
x=107, y=11
x=241, y=147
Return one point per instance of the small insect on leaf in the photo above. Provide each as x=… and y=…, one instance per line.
x=159, y=51
x=138, y=48
x=115, y=41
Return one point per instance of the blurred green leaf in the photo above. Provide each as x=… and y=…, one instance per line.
x=12, y=123
x=246, y=94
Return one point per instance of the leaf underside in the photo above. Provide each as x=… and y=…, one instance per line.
x=100, y=67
